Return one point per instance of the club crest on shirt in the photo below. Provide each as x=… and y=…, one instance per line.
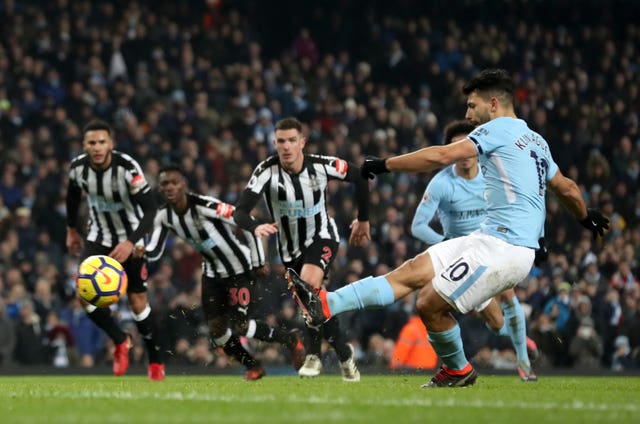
x=314, y=183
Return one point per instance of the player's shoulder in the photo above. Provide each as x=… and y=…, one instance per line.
x=163, y=208
x=202, y=200
x=124, y=160
x=267, y=164
x=80, y=160
x=445, y=175
x=321, y=159
x=334, y=163
x=442, y=180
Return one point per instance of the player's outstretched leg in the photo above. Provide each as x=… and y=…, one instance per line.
x=313, y=308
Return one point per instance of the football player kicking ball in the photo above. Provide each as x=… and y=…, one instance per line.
x=229, y=265
x=461, y=273
x=456, y=194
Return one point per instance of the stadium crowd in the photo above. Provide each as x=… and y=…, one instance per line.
x=202, y=83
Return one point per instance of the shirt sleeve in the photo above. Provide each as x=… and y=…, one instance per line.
x=157, y=241
x=424, y=214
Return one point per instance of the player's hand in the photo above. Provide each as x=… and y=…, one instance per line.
x=122, y=251
x=265, y=230
x=373, y=166
x=138, y=252
x=595, y=222
x=74, y=242
x=360, y=233
x=261, y=271
x=541, y=252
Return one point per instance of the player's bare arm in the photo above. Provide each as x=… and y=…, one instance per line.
x=569, y=195
x=423, y=160
x=432, y=158
x=571, y=198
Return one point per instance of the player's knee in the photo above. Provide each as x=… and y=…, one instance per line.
x=217, y=326
x=506, y=297
x=425, y=305
x=494, y=323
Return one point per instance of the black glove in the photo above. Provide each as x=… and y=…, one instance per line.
x=541, y=252
x=595, y=222
x=373, y=166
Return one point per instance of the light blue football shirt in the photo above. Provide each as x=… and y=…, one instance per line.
x=516, y=164
x=459, y=203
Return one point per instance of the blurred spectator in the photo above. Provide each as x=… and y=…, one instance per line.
x=7, y=336
x=622, y=358
x=30, y=337
x=586, y=347
x=413, y=349
x=558, y=308
x=61, y=342
x=90, y=340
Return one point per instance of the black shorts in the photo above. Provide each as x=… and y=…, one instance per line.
x=231, y=297
x=321, y=253
x=136, y=268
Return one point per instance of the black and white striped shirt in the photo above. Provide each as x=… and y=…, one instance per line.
x=112, y=194
x=208, y=226
x=297, y=202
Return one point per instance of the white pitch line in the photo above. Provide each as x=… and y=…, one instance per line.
x=575, y=405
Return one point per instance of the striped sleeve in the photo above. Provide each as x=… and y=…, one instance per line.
x=157, y=241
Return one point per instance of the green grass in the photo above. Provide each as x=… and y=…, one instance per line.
x=282, y=399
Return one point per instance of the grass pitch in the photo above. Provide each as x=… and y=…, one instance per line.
x=288, y=399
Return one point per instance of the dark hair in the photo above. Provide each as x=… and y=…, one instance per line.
x=97, y=125
x=455, y=128
x=492, y=82
x=171, y=167
x=289, y=124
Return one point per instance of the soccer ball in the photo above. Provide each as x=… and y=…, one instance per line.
x=101, y=280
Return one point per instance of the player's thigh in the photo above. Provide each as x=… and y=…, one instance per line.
x=136, y=269
x=91, y=249
x=413, y=274
x=313, y=265
x=241, y=301
x=470, y=270
x=321, y=253
x=214, y=298
x=491, y=313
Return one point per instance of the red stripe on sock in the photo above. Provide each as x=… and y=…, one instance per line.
x=325, y=305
